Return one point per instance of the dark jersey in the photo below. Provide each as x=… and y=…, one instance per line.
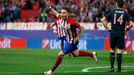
x=118, y=19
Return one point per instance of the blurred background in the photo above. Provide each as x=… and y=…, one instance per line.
x=25, y=23
x=37, y=11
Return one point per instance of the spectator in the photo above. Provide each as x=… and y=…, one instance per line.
x=85, y=10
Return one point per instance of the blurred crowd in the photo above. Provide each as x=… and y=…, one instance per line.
x=81, y=10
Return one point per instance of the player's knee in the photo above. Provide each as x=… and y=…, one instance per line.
x=60, y=53
x=75, y=53
x=112, y=50
x=119, y=50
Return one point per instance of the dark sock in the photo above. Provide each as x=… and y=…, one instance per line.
x=84, y=53
x=112, y=58
x=58, y=61
x=119, y=61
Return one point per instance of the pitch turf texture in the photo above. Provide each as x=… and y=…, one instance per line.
x=36, y=61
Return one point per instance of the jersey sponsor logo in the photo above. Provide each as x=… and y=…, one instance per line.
x=63, y=24
x=64, y=29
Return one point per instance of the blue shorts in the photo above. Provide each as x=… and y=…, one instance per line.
x=62, y=39
x=68, y=47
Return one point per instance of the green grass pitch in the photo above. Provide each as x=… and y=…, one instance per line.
x=36, y=61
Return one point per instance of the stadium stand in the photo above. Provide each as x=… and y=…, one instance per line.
x=83, y=11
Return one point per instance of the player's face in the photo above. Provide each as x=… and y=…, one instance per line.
x=64, y=14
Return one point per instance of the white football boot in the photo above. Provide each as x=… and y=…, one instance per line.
x=95, y=56
x=48, y=72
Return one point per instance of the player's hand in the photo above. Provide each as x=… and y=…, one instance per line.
x=76, y=40
x=48, y=4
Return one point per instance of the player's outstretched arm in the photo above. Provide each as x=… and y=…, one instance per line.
x=52, y=9
x=105, y=23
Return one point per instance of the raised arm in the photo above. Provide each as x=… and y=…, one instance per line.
x=52, y=9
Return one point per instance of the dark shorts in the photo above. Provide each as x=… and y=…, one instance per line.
x=117, y=41
x=68, y=47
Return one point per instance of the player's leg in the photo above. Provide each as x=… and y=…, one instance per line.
x=113, y=42
x=62, y=39
x=58, y=60
x=126, y=37
x=62, y=46
x=66, y=49
x=112, y=59
x=120, y=47
x=77, y=53
x=125, y=51
x=119, y=59
x=57, y=63
x=73, y=49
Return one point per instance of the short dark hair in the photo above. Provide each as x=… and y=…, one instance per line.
x=66, y=8
x=120, y=3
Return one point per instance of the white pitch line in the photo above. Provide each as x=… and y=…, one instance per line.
x=100, y=67
x=89, y=69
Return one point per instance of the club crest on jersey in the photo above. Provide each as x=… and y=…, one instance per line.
x=63, y=24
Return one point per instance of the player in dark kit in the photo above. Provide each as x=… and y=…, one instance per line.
x=69, y=25
x=118, y=18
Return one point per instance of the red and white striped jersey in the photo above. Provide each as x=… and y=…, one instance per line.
x=66, y=28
